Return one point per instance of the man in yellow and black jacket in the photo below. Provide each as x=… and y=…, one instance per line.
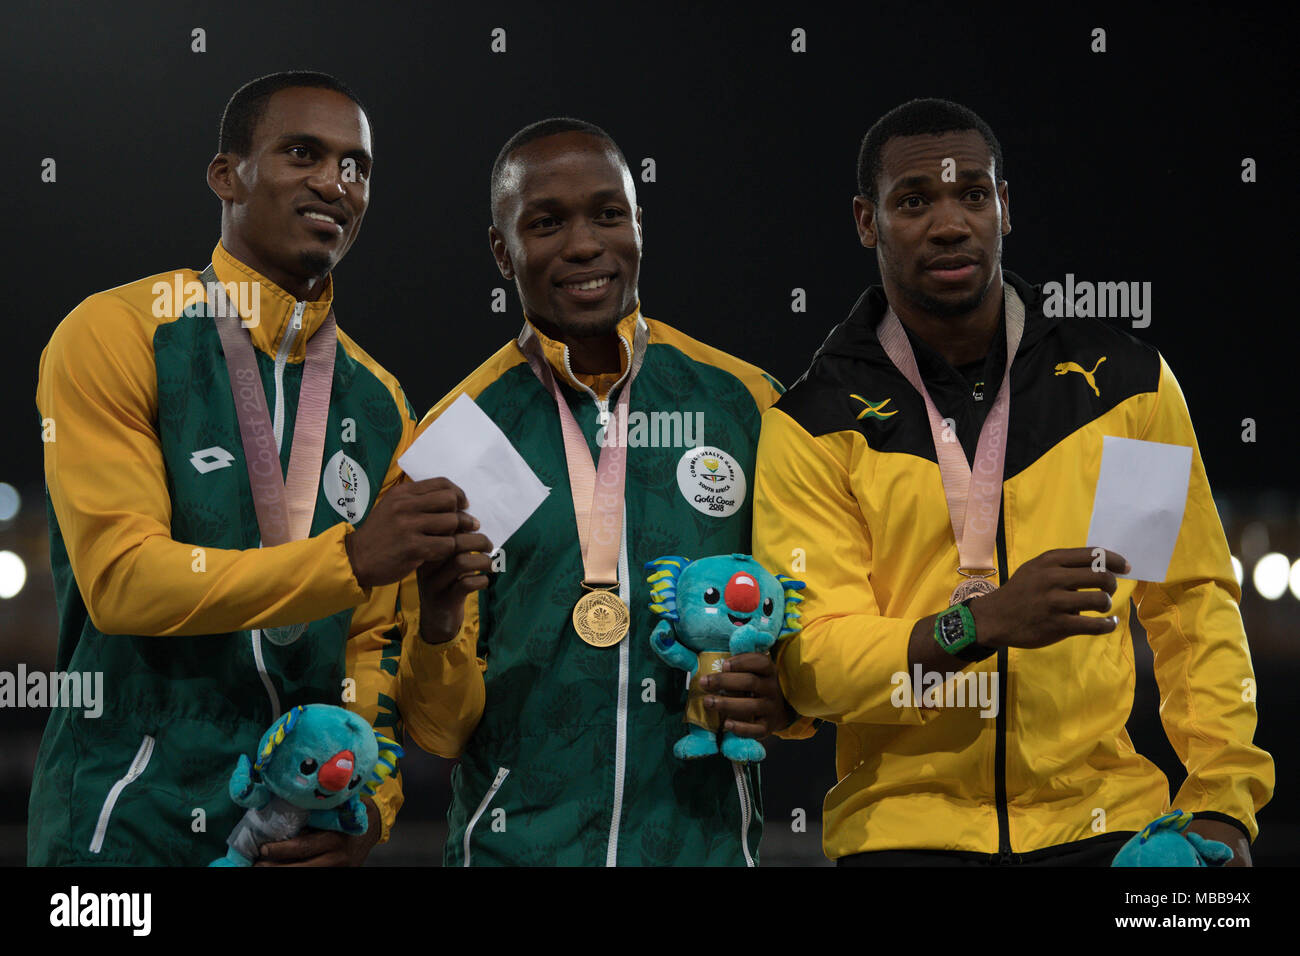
x=1041, y=769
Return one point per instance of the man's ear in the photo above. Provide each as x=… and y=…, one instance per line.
x=221, y=176
x=500, y=253
x=864, y=217
x=1006, y=207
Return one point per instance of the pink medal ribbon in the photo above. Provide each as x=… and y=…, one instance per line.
x=974, y=495
x=284, y=506
x=597, y=490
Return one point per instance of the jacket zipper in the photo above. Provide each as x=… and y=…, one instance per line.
x=502, y=773
x=138, y=764
x=624, y=593
x=620, y=733
x=277, y=417
x=1004, y=854
x=602, y=405
x=743, y=790
x=281, y=359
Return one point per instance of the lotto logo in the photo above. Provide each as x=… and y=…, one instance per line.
x=210, y=459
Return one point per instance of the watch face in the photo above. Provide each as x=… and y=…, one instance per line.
x=950, y=627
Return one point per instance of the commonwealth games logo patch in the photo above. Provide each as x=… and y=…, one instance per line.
x=712, y=481
x=346, y=486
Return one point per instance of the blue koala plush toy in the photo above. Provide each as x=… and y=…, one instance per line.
x=709, y=610
x=313, y=765
x=1165, y=841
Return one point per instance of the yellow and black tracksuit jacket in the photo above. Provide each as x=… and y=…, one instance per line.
x=848, y=484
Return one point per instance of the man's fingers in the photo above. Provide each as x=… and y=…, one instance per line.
x=1082, y=578
x=331, y=858
x=307, y=844
x=473, y=542
x=742, y=682
x=740, y=708
x=1078, y=624
x=443, y=524
x=467, y=562
x=1084, y=557
x=468, y=585
x=745, y=729
x=428, y=485
x=752, y=663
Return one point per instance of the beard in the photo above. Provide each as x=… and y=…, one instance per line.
x=317, y=265
x=945, y=308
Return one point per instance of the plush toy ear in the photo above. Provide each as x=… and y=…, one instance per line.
x=389, y=753
x=662, y=574
x=274, y=737
x=793, y=599
x=245, y=788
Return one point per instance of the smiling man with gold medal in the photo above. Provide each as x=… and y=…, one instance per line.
x=571, y=762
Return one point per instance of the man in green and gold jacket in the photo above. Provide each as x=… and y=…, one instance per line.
x=572, y=760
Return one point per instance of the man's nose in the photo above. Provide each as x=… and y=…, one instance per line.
x=327, y=182
x=950, y=223
x=582, y=241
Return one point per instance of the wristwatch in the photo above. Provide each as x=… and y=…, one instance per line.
x=954, y=631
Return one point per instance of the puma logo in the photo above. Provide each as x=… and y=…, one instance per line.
x=1063, y=367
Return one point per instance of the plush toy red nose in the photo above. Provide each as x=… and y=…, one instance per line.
x=337, y=771
x=742, y=592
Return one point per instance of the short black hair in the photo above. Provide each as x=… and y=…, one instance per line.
x=918, y=118
x=247, y=107
x=540, y=130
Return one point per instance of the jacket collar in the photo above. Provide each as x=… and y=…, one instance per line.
x=855, y=337
x=275, y=307
x=557, y=354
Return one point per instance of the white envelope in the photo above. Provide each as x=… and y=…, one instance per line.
x=466, y=447
x=1138, y=508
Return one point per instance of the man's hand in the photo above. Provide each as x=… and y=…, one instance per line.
x=1040, y=604
x=444, y=587
x=324, y=847
x=414, y=523
x=1224, y=833
x=756, y=707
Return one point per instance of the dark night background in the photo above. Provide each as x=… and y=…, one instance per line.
x=1123, y=166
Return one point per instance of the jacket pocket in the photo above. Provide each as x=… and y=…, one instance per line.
x=137, y=767
x=502, y=773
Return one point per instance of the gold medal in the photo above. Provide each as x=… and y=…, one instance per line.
x=972, y=587
x=601, y=618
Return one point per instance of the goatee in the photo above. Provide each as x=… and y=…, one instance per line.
x=945, y=308
x=315, y=264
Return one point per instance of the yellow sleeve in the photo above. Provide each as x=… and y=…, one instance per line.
x=1202, y=660
x=440, y=687
x=97, y=395
x=839, y=666
x=380, y=628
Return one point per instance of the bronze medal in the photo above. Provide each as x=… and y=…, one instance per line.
x=971, y=588
x=601, y=618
